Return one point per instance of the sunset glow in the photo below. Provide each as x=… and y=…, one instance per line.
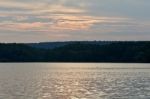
x=92, y=20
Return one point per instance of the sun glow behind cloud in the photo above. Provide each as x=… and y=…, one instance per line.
x=67, y=19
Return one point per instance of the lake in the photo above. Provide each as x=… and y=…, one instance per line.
x=74, y=81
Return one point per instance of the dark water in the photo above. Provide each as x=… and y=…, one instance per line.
x=74, y=81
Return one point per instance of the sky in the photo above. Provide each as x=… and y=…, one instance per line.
x=74, y=20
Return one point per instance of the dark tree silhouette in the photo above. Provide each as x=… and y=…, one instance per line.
x=78, y=52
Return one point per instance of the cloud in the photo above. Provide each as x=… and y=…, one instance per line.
x=56, y=22
x=75, y=19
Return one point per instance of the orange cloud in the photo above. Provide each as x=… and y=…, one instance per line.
x=60, y=22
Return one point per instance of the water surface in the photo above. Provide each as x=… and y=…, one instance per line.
x=74, y=81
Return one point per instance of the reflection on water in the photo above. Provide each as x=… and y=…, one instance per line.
x=74, y=81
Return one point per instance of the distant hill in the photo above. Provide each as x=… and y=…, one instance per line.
x=107, y=52
x=52, y=45
x=81, y=51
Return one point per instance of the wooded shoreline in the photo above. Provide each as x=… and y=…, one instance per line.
x=77, y=51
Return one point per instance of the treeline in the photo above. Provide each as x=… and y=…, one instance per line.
x=78, y=52
x=20, y=53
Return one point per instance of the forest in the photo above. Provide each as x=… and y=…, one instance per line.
x=77, y=51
